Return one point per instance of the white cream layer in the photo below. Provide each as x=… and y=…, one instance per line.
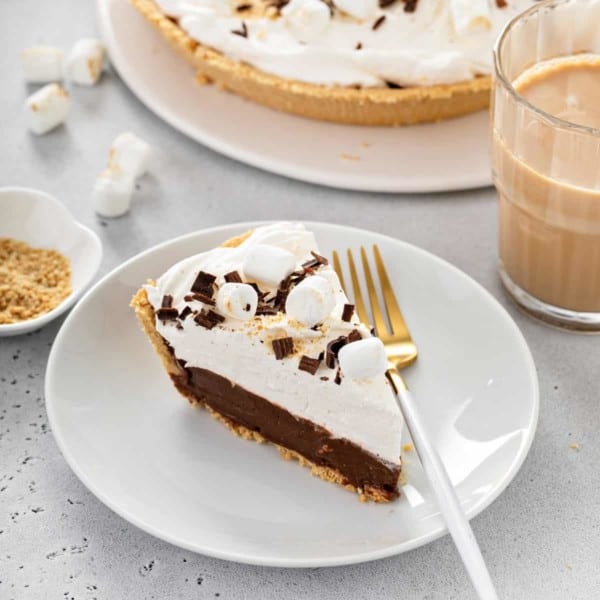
x=363, y=411
x=442, y=41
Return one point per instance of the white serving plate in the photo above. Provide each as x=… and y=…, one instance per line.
x=178, y=474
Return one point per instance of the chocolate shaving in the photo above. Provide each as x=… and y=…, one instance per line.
x=354, y=336
x=265, y=309
x=167, y=301
x=332, y=350
x=338, y=377
x=215, y=316
x=279, y=300
x=308, y=364
x=347, y=312
x=410, y=5
x=501, y=3
x=200, y=297
x=243, y=7
x=243, y=32
x=385, y=3
x=310, y=265
x=204, y=284
x=393, y=86
x=358, y=46
x=261, y=295
x=185, y=313
x=283, y=347
x=233, y=277
x=321, y=356
x=320, y=259
x=208, y=318
x=178, y=325
x=167, y=314
x=378, y=22
x=324, y=378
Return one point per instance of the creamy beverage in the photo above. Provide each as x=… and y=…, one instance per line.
x=548, y=178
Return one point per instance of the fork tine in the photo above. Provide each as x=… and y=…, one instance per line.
x=361, y=309
x=337, y=267
x=378, y=318
x=397, y=322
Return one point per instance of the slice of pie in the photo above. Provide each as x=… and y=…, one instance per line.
x=260, y=332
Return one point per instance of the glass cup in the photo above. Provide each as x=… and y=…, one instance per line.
x=547, y=170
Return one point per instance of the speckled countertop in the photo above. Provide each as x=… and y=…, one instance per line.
x=541, y=538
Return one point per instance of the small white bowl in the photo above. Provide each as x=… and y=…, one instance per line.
x=42, y=221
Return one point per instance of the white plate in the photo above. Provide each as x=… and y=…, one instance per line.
x=42, y=221
x=178, y=474
x=450, y=155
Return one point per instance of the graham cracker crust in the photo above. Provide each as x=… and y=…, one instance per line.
x=365, y=106
x=146, y=317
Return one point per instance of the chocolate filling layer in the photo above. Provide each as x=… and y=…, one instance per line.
x=315, y=443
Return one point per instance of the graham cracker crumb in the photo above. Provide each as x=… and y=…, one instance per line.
x=33, y=281
x=407, y=448
x=345, y=156
x=574, y=446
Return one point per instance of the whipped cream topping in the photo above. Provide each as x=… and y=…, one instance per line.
x=362, y=410
x=439, y=42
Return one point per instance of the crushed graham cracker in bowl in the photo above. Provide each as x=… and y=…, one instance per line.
x=33, y=281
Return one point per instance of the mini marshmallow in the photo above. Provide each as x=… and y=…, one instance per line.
x=306, y=19
x=361, y=9
x=470, y=16
x=268, y=264
x=112, y=193
x=130, y=154
x=363, y=359
x=85, y=61
x=311, y=301
x=42, y=64
x=237, y=300
x=47, y=108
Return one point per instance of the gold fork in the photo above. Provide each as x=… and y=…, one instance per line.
x=401, y=352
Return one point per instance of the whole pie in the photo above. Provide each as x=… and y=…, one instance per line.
x=260, y=333
x=367, y=62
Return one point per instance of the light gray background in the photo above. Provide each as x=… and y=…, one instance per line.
x=541, y=538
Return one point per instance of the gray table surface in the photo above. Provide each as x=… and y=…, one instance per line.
x=541, y=538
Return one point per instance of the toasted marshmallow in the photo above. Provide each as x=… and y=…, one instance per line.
x=130, y=154
x=237, y=300
x=268, y=264
x=361, y=9
x=311, y=301
x=85, y=61
x=112, y=193
x=47, y=108
x=42, y=64
x=363, y=359
x=470, y=16
x=306, y=19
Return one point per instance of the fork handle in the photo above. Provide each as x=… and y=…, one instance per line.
x=448, y=502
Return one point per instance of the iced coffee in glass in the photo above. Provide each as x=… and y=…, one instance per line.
x=546, y=161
